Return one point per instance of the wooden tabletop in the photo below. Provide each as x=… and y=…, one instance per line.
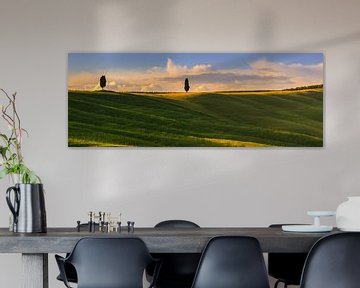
x=158, y=240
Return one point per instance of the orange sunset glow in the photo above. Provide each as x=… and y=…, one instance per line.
x=166, y=72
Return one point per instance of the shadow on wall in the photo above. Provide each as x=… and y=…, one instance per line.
x=265, y=36
x=118, y=21
x=329, y=43
x=265, y=31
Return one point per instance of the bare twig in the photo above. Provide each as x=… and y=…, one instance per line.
x=14, y=123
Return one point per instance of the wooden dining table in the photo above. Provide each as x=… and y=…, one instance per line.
x=35, y=247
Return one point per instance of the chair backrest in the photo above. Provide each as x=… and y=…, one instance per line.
x=232, y=262
x=178, y=269
x=333, y=262
x=110, y=262
x=176, y=224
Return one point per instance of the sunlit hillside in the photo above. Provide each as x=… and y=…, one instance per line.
x=238, y=119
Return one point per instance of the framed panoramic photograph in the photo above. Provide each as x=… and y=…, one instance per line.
x=195, y=99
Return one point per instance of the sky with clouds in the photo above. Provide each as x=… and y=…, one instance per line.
x=162, y=72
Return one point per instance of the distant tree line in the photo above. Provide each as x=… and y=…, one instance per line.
x=102, y=83
x=317, y=86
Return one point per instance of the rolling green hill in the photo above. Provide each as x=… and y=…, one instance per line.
x=272, y=118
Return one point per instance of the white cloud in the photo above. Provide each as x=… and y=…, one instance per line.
x=155, y=69
x=173, y=69
x=201, y=68
x=318, y=67
x=279, y=68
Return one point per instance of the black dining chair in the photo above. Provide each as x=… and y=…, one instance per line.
x=286, y=267
x=108, y=263
x=70, y=271
x=333, y=262
x=178, y=269
x=232, y=262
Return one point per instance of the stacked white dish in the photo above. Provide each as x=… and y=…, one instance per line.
x=316, y=227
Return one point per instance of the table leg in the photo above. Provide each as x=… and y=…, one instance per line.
x=35, y=270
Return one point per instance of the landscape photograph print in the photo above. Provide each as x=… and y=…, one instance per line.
x=195, y=99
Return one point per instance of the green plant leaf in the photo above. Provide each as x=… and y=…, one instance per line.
x=26, y=132
x=33, y=178
x=4, y=137
x=3, y=151
x=27, y=175
x=3, y=173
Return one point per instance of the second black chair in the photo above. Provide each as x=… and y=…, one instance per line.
x=232, y=262
x=178, y=269
x=333, y=262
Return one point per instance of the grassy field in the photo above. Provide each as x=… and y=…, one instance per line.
x=238, y=119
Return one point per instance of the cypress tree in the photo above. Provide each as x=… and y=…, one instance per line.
x=102, y=82
x=186, y=85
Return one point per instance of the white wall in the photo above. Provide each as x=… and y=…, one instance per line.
x=214, y=187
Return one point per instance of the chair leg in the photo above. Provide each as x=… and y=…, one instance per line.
x=279, y=281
